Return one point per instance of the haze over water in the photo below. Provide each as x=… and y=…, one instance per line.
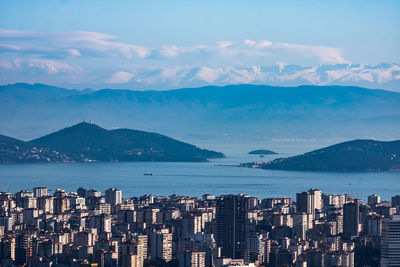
x=194, y=179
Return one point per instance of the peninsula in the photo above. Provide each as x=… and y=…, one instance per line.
x=351, y=156
x=86, y=142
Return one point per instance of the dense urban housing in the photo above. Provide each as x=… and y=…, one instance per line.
x=87, y=228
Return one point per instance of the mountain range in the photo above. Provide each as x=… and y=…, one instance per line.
x=209, y=115
x=350, y=156
x=384, y=76
x=86, y=142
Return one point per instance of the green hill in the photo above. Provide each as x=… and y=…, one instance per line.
x=16, y=151
x=89, y=142
x=351, y=156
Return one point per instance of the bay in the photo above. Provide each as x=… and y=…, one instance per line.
x=194, y=179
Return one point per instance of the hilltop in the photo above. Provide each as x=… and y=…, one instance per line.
x=89, y=142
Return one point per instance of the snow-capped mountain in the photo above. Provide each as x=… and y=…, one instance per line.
x=382, y=76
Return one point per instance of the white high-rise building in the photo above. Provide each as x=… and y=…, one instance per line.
x=317, y=198
x=333, y=199
x=390, y=242
x=93, y=193
x=46, y=204
x=191, y=225
x=309, y=201
x=40, y=192
x=161, y=244
x=113, y=196
x=102, y=223
x=192, y=259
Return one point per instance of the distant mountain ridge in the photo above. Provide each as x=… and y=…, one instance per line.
x=351, y=156
x=236, y=112
x=384, y=76
x=88, y=142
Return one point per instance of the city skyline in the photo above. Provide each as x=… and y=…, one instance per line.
x=206, y=133
x=88, y=228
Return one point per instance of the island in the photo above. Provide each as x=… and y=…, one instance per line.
x=351, y=156
x=262, y=152
x=86, y=142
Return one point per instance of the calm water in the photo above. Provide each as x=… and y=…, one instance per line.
x=194, y=179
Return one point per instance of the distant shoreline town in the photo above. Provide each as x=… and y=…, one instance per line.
x=88, y=228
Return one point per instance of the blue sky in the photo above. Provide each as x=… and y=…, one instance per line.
x=89, y=41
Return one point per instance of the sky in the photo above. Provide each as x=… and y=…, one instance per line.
x=112, y=42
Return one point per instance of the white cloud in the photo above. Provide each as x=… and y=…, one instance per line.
x=17, y=62
x=74, y=52
x=47, y=65
x=120, y=77
x=39, y=70
x=256, y=69
x=51, y=66
x=80, y=43
x=250, y=42
x=256, y=49
x=5, y=64
x=264, y=44
x=10, y=47
x=224, y=44
x=104, y=55
x=68, y=43
x=169, y=51
x=325, y=54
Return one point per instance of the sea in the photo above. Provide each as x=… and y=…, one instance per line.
x=217, y=177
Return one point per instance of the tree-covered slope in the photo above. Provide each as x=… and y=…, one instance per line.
x=89, y=142
x=351, y=156
x=16, y=151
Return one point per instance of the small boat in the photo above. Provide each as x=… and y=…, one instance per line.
x=261, y=156
x=148, y=174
